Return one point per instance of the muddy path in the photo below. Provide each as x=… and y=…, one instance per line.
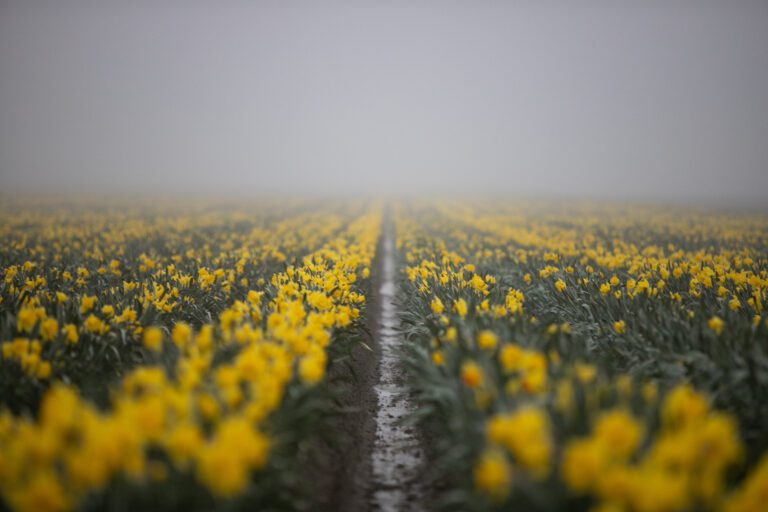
x=397, y=456
x=378, y=463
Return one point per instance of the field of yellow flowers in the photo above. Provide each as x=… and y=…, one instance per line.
x=172, y=357
x=588, y=357
x=575, y=356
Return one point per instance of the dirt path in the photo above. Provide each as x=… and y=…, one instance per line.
x=378, y=464
x=397, y=456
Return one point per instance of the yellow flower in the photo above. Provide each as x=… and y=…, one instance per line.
x=42, y=493
x=204, y=338
x=43, y=370
x=437, y=306
x=620, y=432
x=514, y=301
x=70, y=331
x=584, y=462
x=460, y=307
x=94, y=324
x=750, y=496
x=619, y=326
x=493, y=476
x=534, y=371
x=319, y=300
x=183, y=442
x=560, y=285
x=225, y=463
x=128, y=315
x=252, y=446
x=49, y=329
x=720, y=436
x=254, y=297
x=526, y=434
x=616, y=486
x=564, y=396
x=471, y=374
x=87, y=303
x=586, y=373
x=510, y=357
x=487, y=340
x=181, y=334
x=716, y=324
x=222, y=470
x=683, y=406
x=437, y=358
x=312, y=367
x=153, y=338
x=662, y=491
x=477, y=283
x=27, y=318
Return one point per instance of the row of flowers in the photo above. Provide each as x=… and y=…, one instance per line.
x=202, y=354
x=567, y=362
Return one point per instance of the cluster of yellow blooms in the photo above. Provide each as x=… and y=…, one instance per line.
x=517, y=296
x=684, y=467
x=224, y=328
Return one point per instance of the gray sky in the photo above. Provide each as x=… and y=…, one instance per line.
x=648, y=99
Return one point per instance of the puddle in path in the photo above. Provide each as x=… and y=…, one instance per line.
x=397, y=454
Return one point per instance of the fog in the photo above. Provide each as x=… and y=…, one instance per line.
x=659, y=100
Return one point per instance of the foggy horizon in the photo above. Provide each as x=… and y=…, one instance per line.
x=643, y=101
